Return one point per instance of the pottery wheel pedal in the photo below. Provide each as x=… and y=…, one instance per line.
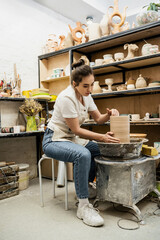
x=76, y=30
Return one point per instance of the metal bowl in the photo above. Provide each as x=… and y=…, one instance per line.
x=122, y=150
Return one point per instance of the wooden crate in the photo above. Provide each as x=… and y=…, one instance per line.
x=9, y=181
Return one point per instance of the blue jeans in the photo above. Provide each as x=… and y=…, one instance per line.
x=81, y=157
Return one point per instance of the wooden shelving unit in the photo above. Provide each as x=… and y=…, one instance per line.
x=129, y=101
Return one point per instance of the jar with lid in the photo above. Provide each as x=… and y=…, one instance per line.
x=141, y=82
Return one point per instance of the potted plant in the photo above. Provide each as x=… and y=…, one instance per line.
x=148, y=14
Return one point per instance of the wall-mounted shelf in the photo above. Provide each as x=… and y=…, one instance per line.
x=129, y=64
x=21, y=134
x=55, y=79
x=142, y=123
x=126, y=93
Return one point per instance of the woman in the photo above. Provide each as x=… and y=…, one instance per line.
x=65, y=140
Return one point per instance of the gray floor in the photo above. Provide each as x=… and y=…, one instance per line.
x=22, y=218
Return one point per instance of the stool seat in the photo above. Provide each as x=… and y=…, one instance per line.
x=44, y=157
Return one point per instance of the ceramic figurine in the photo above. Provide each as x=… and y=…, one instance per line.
x=78, y=29
x=116, y=27
x=60, y=46
x=141, y=82
x=132, y=48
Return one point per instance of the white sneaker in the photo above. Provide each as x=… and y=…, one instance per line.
x=90, y=215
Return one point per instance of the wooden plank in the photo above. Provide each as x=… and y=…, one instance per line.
x=8, y=179
x=8, y=186
x=8, y=170
x=9, y=194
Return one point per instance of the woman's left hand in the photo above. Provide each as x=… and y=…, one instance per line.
x=112, y=112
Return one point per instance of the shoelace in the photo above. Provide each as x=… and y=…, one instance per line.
x=91, y=207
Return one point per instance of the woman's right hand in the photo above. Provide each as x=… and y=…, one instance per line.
x=108, y=138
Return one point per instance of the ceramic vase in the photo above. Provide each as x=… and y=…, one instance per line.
x=96, y=87
x=141, y=82
x=94, y=31
x=120, y=126
x=31, y=124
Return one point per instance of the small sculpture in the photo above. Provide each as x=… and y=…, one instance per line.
x=60, y=46
x=132, y=48
x=76, y=30
x=116, y=27
x=68, y=41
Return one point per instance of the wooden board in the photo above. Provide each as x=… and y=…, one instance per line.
x=9, y=194
x=9, y=179
x=8, y=186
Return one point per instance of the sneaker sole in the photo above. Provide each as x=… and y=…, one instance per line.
x=91, y=225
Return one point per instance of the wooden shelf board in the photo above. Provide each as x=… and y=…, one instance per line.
x=55, y=79
x=127, y=92
x=136, y=62
x=21, y=134
x=144, y=123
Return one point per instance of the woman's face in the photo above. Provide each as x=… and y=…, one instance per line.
x=86, y=86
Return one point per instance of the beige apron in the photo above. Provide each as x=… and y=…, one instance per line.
x=63, y=133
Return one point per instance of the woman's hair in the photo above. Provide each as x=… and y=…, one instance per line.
x=80, y=70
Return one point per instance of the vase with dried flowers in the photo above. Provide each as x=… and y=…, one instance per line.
x=30, y=108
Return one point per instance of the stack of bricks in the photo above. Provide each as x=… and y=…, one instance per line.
x=9, y=185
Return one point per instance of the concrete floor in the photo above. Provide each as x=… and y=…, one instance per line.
x=22, y=218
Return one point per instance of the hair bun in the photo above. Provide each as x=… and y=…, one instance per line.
x=78, y=64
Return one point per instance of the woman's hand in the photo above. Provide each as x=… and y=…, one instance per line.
x=112, y=112
x=108, y=137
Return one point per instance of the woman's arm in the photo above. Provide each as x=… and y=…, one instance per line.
x=73, y=124
x=102, y=118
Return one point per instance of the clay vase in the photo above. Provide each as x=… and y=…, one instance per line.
x=96, y=87
x=94, y=31
x=104, y=25
x=141, y=82
x=120, y=126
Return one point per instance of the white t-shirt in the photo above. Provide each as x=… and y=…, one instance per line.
x=68, y=106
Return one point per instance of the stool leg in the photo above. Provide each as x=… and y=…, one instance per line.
x=40, y=182
x=53, y=180
x=66, y=188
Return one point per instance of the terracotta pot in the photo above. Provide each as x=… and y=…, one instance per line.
x=120, y=126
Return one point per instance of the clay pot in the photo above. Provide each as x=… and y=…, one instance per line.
x=96, y=87
x=141, y=82
x=119, y=56
x=120, y=126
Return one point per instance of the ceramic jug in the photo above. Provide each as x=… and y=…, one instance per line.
x=141, y=82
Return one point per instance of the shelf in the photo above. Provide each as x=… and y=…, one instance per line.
x=55, y=79
x=129, y=64
x=21, y=134
x=143, y=32
x=126, y=93
x=143, y=123
x=20, y=99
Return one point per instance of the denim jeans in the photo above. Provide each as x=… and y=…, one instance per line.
x=81, y=157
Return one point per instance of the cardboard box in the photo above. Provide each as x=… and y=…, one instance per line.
x=47, y=169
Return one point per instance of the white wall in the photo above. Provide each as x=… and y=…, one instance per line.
x=24, y=29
